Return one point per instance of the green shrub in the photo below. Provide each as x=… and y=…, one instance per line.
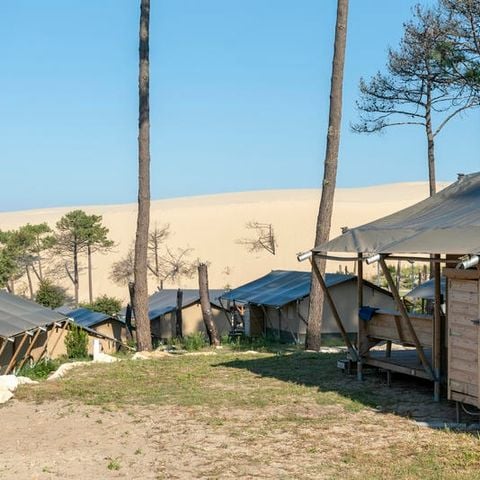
x=76, y=342
x=41, y=370
x=194, y=341
x=50, y=295
x=104, y=304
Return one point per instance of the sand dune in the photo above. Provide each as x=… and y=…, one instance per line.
x=211, y=225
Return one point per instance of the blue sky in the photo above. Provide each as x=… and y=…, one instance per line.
x=239, y=100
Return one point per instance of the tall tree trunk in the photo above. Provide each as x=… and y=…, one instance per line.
x=90, y=280
x=324, y=218
x=178, y=315
x=430, y=142
x=75, y=273
x=29, y=278
x=206, y=306
x=39, y=261
x=140, y=299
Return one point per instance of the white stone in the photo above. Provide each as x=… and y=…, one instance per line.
x=5, y=395
x=8, y=382
x=63, y=369
x=26, y=381
x=104, y=358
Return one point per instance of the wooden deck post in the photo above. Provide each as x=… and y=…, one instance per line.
x=335, y=314
x=15, y=354
x=406, y=318
x=437, y=328
x=362, y=334
x=4, y=345
x=30, y=347
x=65, y=324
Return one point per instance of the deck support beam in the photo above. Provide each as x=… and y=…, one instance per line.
x=404, y=314
x=437, y=329
x=362, y=340
x=15, y=354
x=30, y=348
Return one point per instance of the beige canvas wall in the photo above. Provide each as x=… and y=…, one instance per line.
x=192, y=321
x=345, y=298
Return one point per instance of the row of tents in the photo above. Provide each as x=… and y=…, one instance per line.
x=275, y=305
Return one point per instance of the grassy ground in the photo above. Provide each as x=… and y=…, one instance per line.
x=284, y=415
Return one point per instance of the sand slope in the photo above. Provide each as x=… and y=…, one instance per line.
x=211, y=225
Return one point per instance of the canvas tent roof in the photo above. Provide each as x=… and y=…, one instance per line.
x=165, y=301
x=448, y=222
x=280, y=287
x=426, y=290
x=18, y=315
x=85, y=317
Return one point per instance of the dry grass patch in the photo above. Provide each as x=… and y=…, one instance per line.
x=264, y=415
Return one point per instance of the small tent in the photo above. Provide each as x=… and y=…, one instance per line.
x=278, y=303
x=111, y=328
x=30, y=332
x=162, y=308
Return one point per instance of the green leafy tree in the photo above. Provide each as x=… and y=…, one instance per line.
x=40, y=239
x=80, y=233
x=105, y=304
x=415, y=89
x=97, y=241
x=50, y=295
x=10, y=255
x=461, y=53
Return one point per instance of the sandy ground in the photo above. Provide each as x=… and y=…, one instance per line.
x=211, y=226
x=58, y=440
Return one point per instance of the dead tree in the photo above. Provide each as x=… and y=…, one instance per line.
x=264, y=238
x=206, y=305
x=156, y=238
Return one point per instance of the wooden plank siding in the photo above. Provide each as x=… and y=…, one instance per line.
x=463, y=336
x=391, y=326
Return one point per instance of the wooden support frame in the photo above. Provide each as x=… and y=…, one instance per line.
x=4, y=345
x=404, y=314
x=362, y=340
x=15, y=354
x=334, y=310
x=30, y=348
x=437, y=330
x=65, y=324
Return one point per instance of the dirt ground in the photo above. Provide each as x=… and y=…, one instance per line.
x=58, y=440
x=303, y=430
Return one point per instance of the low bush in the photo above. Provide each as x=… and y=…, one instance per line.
x=76, y=342
x=41, y=370
x=194, y=341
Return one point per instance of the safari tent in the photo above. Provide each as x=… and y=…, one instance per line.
x=444, y=230
x=112, y=329
x=162, y=311
x=30, y=332
x=277, y=303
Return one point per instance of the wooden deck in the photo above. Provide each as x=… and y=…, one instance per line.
x=401, y=361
